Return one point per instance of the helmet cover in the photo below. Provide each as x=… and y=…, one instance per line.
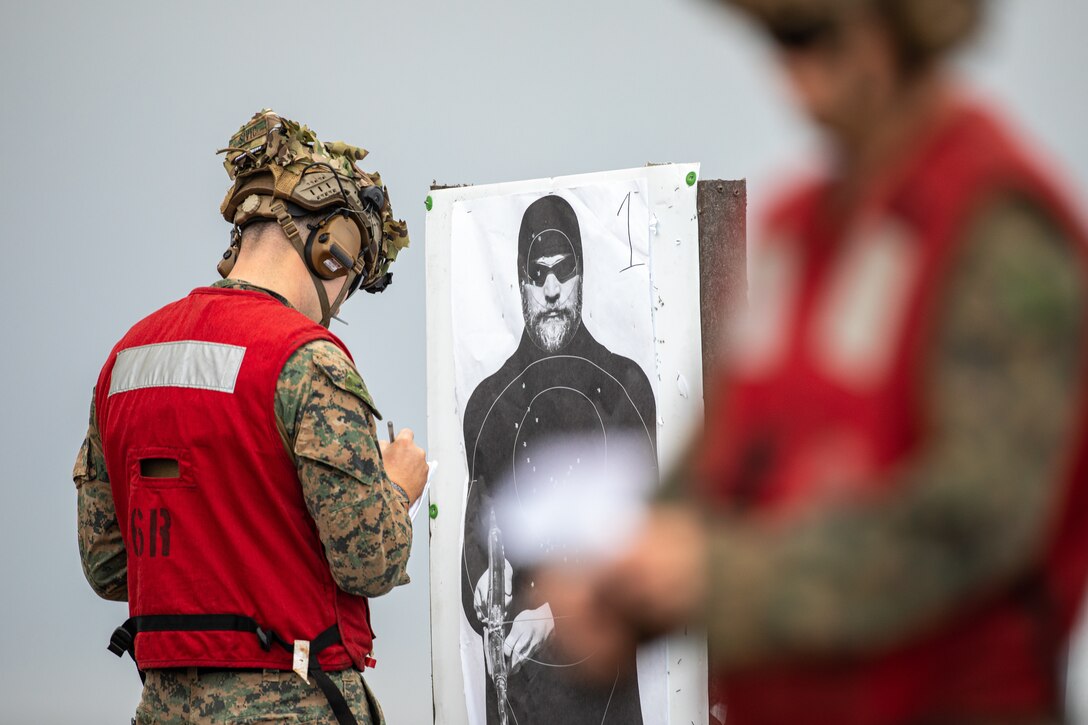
x=273, y=156
x=928, y=28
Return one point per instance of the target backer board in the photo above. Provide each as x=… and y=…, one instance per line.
x=626, y=297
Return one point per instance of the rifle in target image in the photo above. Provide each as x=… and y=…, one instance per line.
x=495, y=620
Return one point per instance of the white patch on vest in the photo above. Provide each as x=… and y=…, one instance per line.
x=760, y=337
x=185, y=364
x=863, y=306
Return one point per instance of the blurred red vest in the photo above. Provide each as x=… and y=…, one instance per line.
x=825, y=390
x=195, y=383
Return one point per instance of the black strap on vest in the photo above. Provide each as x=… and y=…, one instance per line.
x=124, y=639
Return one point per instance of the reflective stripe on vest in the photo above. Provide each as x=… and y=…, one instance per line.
x=184, y=364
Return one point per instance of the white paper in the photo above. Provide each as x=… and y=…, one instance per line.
x=432, y=466
x=596, y=386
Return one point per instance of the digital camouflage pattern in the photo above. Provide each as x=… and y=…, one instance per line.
x=271, y=143
x=362, y=516
x=101, y=549
x=182, y=696
x=1002, y=394
x=326, y=419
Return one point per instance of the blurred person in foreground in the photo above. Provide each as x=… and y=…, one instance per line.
x=231, y=486
x=886, y=519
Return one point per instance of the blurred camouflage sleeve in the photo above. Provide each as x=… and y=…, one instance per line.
x=101, y=549
x=327, y=422
x=1001, y=392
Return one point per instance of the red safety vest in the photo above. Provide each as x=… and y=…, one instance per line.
x=824, y=389
x=227, y=549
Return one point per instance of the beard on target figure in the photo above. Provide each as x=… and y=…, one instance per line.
x=560, y=382
x=551, y=298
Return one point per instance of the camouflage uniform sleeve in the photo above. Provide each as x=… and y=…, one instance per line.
x=101, y=549
x=1002, y=390
x=327, y=421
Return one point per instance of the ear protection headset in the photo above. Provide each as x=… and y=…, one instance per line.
x=338, y=246
x=332, y=247
x=342, y=243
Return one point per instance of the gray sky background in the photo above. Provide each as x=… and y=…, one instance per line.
x=110, y=113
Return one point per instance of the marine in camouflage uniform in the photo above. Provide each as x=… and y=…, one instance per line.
x=361, y=517
x=326, y=419
x=796, y=605
x=1004, y=376
x=1003, y=384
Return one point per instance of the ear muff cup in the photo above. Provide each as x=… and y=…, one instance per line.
x=333, y=246
x=226, y=264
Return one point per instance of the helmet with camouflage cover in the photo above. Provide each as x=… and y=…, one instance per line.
x=281, y=171
x=923, y=29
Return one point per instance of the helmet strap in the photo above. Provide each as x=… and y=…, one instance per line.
x=335, y=307
x=291, y=230
x=354, y=273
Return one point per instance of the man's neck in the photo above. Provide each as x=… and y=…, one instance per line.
x=283, y=281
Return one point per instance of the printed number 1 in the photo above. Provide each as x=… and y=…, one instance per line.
x=630, y=244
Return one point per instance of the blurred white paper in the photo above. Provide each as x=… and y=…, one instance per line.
x=589, y=516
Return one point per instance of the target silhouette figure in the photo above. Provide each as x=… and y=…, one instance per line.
x=559, y=383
